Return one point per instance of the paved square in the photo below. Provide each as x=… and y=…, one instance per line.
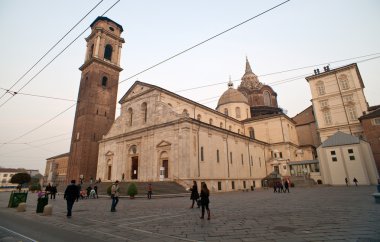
x=305, y=214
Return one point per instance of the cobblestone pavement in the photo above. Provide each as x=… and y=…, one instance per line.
x=305, y=214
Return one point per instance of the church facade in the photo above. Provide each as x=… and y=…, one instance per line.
x=160, y=135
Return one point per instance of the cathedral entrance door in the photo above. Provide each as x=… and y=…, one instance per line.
x=109, y=172
x=165, y=164
x=276, y=169
x=135, y=166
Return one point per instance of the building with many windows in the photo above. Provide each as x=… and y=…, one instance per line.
x=338, y=102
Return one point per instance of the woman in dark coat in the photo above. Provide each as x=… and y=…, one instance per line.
x=194, y=193
x=205, y=193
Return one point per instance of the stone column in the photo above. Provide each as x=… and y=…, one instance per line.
x=97, y=45
x=119, y=55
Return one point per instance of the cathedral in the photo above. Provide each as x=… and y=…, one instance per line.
x=162, y=136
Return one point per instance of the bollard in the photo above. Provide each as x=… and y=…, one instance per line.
x=48, y=210
x=21, y=207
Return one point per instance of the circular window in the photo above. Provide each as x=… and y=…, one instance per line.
x=112, y=29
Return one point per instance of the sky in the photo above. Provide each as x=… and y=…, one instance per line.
x=36, y=123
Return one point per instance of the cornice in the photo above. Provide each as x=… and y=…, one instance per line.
x=180, y=121
x=102, y=62
x=108, y=33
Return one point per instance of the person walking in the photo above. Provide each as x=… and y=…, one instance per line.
x=355, y=181
x=280, y=186
x=205, y=193
x=149, y=190
x=48, y=189
x=115, y=195
x=194, y=193
x=88, y=190
x=71, y=194
x=53, y=192
x=346, y=180
x=96, y=191
x=286, y=184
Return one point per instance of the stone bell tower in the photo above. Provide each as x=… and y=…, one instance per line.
x=95, y=111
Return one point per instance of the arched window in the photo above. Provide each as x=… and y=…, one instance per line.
x=230, y=127
x=185, y=112
x=130, y=115
x=321, y=88
x=226, y=111
x=267, y=101
x=104, y=81
x=210, y=121
x=202, y=155
x=237, y=111
x=251, y=133
x=199, y=117
x=221, y=124
x=108, y=52
x=144, y=110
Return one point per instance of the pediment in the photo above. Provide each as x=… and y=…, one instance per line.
x=164, y=143
x=136, y=89
x=109, y=153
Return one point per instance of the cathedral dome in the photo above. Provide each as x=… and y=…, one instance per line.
x=232, y=96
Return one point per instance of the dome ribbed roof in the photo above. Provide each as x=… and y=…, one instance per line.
x=232, y=96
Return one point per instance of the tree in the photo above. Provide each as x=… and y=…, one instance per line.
x=34, y=184
x=132, y=190
x=35, y=179
x=20, y=178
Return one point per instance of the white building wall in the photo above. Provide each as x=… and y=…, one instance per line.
x=362, y=168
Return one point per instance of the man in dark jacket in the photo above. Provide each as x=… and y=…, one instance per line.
x=71, y=194
x=53, y=191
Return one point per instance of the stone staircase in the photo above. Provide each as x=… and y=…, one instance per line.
x=301, y=181
x=162, y=189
